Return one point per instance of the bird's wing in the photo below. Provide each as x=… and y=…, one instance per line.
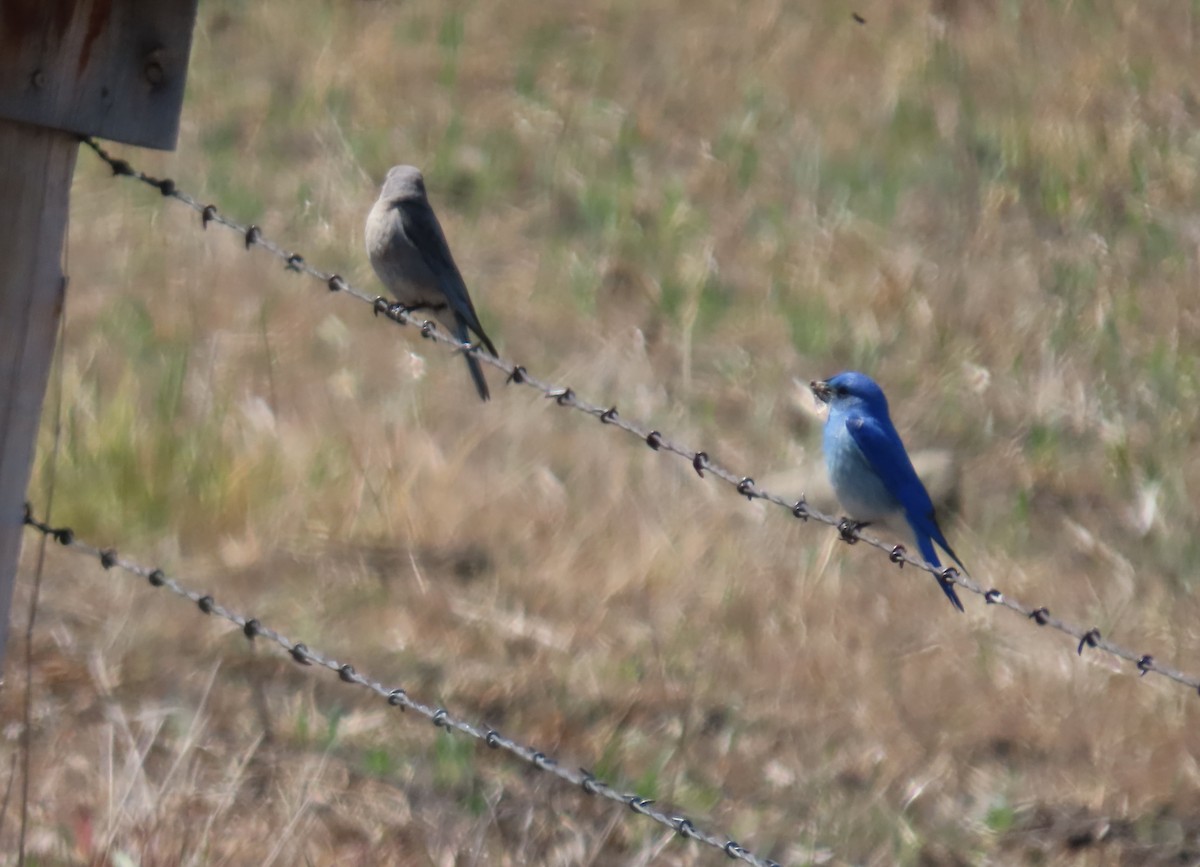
x=881, y=446
x=421, y=226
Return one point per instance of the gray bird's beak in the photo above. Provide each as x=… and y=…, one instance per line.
x=821, y=389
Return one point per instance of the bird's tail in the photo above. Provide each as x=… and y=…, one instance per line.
x=486, y=341
x=463, y=336
x=935, y=532
x=926, y=535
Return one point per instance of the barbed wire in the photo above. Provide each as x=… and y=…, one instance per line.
x=397, y=697
x=566, y=397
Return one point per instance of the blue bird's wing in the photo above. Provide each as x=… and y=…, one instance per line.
x=883, y=450
x=425, y=232
x=881, y=446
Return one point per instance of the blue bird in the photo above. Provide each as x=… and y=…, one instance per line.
x=870, y=470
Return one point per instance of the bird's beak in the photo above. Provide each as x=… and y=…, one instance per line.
x=821, y=389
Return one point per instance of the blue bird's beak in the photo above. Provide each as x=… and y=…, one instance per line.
x=821, y=389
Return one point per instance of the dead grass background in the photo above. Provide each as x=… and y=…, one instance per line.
x=679, y=207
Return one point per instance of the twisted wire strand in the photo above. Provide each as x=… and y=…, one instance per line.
x=564, y=396
x=397, y=697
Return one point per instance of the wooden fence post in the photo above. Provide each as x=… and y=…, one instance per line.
x=109, y=68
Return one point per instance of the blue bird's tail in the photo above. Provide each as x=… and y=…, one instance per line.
x=928, y=532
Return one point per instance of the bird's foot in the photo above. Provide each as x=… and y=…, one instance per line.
x=849, y=528
x=422, y=305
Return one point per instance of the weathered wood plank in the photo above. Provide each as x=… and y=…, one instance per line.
x=109, y=68
x=36, y=166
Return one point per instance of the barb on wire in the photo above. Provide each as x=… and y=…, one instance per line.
x=398, y=697
x=700, y=460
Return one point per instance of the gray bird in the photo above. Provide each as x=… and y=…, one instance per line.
x=409, y=252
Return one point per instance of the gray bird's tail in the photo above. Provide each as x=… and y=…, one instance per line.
x=463, y=336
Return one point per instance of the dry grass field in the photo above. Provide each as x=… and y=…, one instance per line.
x=682, y=207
